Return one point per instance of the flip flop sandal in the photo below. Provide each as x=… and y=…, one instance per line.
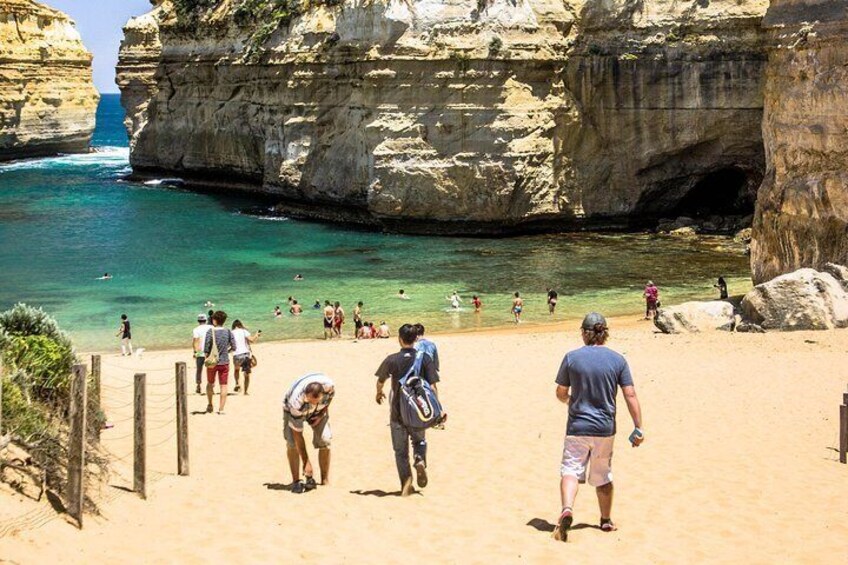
x=310, y=484
x=607, y=525
x=565, y=521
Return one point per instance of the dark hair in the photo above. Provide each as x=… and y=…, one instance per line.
x=721, y=281
x=220, y=316
x=337, y=304
x=407, y=334
x=359, y=303
x=123, y=316
x=294, y=301
x=419, y=329
x=209, y=315
x=400, y=291
x=237, y=324
x=313, y=388
x=598, y=335
x=326, y=303
x=516, y=295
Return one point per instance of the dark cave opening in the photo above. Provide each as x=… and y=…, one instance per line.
x=725, y=192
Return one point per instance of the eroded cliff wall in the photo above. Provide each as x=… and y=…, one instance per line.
x=466, y=114
x=47, y=98
x=802, y=209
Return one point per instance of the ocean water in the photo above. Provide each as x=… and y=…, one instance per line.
x=66, y=220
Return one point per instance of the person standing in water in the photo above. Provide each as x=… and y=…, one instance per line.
x=357, y=318
x=125, y=334
x=478, y=304
x=722, y=288
x=587, y=381
x=517, y=307
x=402, y=295
x=454, y=300
x=198, y=341
x=296, y=309
x=652, y=298
x=329, y=317
x=553, y=297
x=338, y=319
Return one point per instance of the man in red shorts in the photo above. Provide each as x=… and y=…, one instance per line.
x=224, y=341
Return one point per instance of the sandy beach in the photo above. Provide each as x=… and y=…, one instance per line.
x=739, y=461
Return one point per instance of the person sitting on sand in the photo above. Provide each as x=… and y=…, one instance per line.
x=308, y=401
x=402, y=295
x=394, y=367
x=375, y=333
x=296, y=309
x=722, y=288
x=478, y=304
x=517, y=307
x=364, y=332
x=329, y=318
x=454, y=300
x=587, y=381
x=652, y=298
x=383, y=331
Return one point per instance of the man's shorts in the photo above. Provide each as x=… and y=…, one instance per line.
x=588, y=451
x=322, y=435
x=242, y=362
x=223, y=371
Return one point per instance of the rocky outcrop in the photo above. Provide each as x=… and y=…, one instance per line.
x=802, y=209
x=694, y=317
x=47, y=98
x=472, y=115
x=803, y=300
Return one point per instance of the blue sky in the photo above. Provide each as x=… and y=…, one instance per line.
x=100, y=23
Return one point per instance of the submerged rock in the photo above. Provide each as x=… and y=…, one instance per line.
x=804, y=300
x=47, y=97
x=693, y=317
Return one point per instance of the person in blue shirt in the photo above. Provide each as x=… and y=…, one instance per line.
x=427, y=346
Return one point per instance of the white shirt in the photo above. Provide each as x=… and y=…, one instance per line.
x=295, y=400
x=200, y=333
x=241, y=336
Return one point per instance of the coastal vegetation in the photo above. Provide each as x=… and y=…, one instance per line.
x=38, y=357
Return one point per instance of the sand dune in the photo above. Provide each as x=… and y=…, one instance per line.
x=738, y=463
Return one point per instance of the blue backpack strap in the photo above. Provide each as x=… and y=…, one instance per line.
x=414, y=369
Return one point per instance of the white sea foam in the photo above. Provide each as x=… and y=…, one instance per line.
x=101, y=156
x=165, y=182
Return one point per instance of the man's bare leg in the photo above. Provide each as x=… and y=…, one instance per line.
x=236, y=374
x=605, y=502
x=223, y=400
x=210, y=391
x=246, y=382
x=568, y=491
x=294, y=463
x=324, y=464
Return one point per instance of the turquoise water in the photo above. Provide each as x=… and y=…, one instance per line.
x=65, y=221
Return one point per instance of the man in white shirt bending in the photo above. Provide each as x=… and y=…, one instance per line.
x=308, y=401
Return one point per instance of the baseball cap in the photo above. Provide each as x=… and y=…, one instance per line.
x=592, y=319
x=201, y=317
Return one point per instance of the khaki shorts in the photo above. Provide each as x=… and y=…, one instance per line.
x=593, y=452
x=321, y=434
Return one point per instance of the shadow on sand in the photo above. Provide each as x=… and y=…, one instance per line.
x=545, y=526
x=379, y=493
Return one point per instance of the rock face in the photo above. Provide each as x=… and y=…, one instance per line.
x=461, y=116
x=803, y=300
x=694, y=317
x=802, y=209
x=47, y=98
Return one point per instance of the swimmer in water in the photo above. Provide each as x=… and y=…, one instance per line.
x=105, y=277
x=454, y=299
x=317, y=305
x=209, y=304
x=298, y=277
x=402, y=295
x=277, y=312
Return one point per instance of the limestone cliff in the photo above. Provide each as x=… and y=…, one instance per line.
x=47, y=98
x=460, y=115
x=802, y=216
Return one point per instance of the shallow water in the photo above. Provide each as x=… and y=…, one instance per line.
x=64, y=221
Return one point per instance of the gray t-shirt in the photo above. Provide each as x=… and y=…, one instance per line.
x=594, y=373
x=226, y=342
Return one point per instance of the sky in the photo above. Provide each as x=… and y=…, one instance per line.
x=100, y=23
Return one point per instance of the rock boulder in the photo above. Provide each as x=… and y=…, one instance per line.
x=804, y=300
x=693, y=317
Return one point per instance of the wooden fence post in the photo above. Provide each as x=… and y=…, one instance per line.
x=139, y=440
x=182, y=421
x=843, y=429
x=95, y=392
x=76, y=443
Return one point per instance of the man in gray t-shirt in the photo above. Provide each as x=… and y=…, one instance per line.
x=588, y=381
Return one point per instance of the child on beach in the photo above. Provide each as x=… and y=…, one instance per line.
x=652, y=298
x=517, y=307
x=126, y=336
x=478, y=304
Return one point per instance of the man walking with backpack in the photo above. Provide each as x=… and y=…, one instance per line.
x=396, y=367
x=588, y=380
